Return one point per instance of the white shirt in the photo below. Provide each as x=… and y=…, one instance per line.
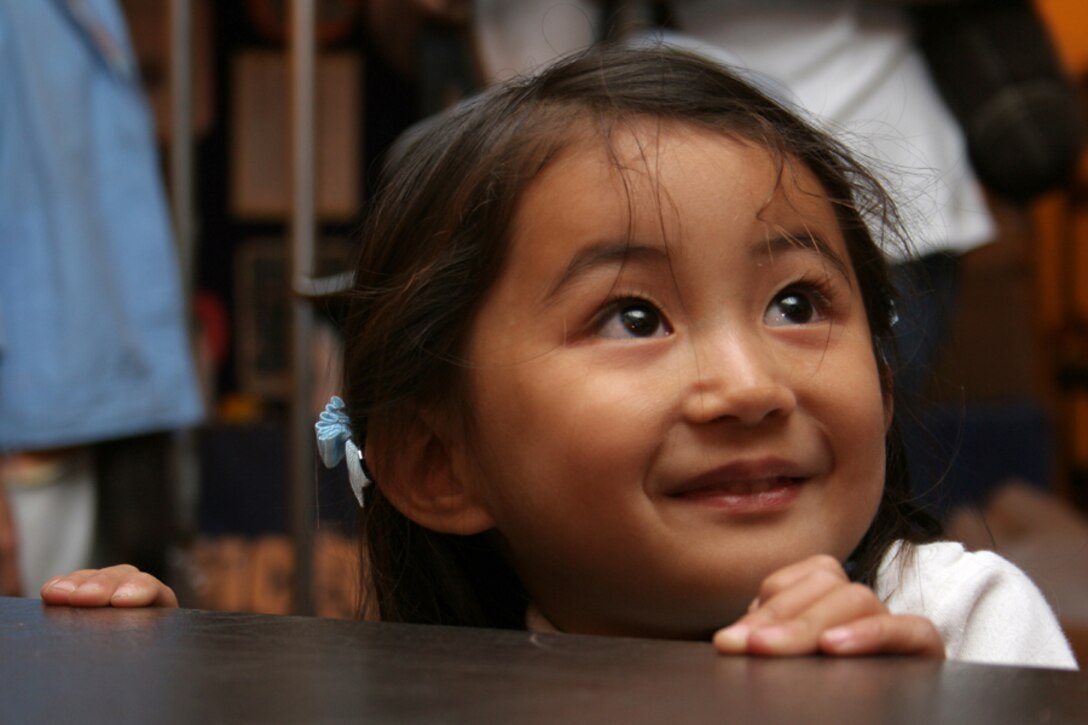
x=985, y=608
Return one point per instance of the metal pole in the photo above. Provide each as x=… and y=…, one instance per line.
x=184, y=449
x=301, y=451
x=181, y=136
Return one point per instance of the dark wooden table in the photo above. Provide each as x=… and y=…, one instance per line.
x=163, y=666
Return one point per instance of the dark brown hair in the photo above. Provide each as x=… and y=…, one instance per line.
x=435, y=242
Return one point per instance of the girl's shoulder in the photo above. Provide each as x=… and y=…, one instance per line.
x=944, y=569
x=985, y=607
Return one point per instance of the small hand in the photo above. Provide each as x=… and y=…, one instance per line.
x=116, y=586
x=812, y=606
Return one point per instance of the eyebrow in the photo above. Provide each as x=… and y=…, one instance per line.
x=613, y=254
x=803, y=242
x=605, y=254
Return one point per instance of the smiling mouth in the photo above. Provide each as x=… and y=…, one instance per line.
x=746, y=496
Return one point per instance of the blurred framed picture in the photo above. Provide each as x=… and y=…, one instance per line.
x=261, y=140
x=263, y=312
x=148, y=26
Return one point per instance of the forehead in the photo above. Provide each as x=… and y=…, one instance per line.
x=651, y=177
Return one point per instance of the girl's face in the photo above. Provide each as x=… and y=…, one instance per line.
x=673, y=385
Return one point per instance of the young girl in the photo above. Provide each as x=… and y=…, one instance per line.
x=617, y=359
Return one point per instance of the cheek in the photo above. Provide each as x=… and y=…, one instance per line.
x=548, y=427
x=865, y=439
x=862, y=413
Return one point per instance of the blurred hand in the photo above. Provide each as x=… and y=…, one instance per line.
x=812, y=607
x=116, y=586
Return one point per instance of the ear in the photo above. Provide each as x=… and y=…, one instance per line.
x=421, y=469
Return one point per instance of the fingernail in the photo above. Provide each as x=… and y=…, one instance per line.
x=125, y=591
x=62, y=585
x=772, y=635
x=734, y=637
x=838, y=636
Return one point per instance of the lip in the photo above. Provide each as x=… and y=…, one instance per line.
x=751, y=487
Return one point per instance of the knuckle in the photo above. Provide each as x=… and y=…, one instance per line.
x=909, y=633
x=923, y=628
x=859, y=594
x=825, y=579
x=772, y=611
x=826, y=562
x=771, y=586
x=144, y=579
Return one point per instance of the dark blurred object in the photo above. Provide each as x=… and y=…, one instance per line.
x=959, y=456
x=10, y=584
x=995, y=66
x=243, y=485
x=137, y=523
x=445, y=69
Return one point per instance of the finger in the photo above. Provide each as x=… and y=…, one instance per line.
x=780, y=610
x=788, y=603
x=801, y=634
x=119, y=586
x=784, y=595
x=143, y=590
x=58, y=590
x=905, y=634
x=788, y=576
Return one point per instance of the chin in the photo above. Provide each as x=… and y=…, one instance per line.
x=667, y=621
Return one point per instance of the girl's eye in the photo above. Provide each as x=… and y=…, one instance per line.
x=633, y=318
x=796, y=305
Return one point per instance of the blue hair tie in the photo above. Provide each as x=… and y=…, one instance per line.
x=334, y=444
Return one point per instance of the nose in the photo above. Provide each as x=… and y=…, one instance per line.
x=738, y=378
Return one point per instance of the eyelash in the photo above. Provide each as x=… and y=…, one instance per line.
x=820, y=288
x=620, y=301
